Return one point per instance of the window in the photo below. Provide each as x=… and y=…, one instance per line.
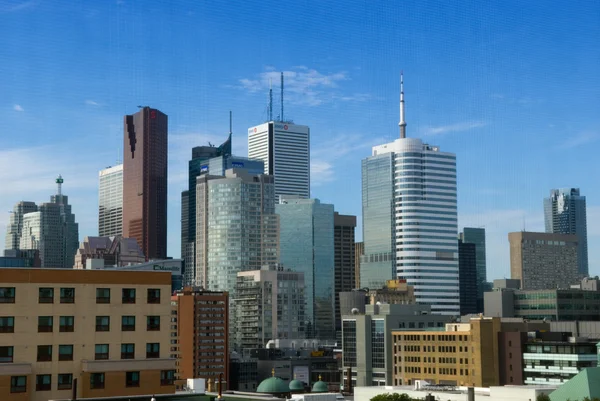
x=153, y=323
x=65, y=381
x=46, y=296
x=66, y=324
x=102, y=323
x=153, y=295
x=127, y=351
x=65, y=352
x=132, y=379
x=45, y=324
x=152, y=350
x=97, y=380
x=43, y=382
x=102, y=295
x=128, y=323
x=67, y=295
x=7, y=324
x=101, y=352
x=167, y=377
x=18, y=384
x=7, y=295
x=44, y=353
x=6, y=354
x=128, y=295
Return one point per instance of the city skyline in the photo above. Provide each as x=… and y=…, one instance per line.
x=508, y=108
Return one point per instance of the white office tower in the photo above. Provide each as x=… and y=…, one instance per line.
x=422, y=245
x=285, y=150
x=110, y=201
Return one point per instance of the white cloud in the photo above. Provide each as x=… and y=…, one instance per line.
x=582, y=138
x=302, y=85
x=13, y=6
x=18, y=107
x=91, y=103
x=458, y=127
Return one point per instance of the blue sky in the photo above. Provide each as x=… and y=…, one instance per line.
x=511, y=87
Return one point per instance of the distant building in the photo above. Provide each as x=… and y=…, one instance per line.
x=52, y=230
x=21, y=258
x=358, y=253
x=467, y=277
x=113, y=251
x=202, y=333
x=14, y=228
x=110, y=201
x=565, y=213
x=367, y=345
x=107, y=329
x=145, y=154
x=551, y=305
x=476, y=236
x=307, y=245
x=284, y=148
x=543, y=261
x=269, y=304
x=394, y=292
x=343, y=235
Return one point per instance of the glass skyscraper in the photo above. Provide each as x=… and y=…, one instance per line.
x=110, y=201
x=307, y=246
x=476, y=236
x=565, y=213
x=15, y=225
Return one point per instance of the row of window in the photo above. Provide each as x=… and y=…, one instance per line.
x=65, y=352
x=67, y=324
x=18, y=384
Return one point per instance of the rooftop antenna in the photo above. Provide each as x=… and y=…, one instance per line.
x=270, y=99
x=230, y=122
x=402, y=123
x=282, y=96
x=59, y=182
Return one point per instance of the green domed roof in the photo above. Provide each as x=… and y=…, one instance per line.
x=296, y=385
x=273, y=385
x=320, y=387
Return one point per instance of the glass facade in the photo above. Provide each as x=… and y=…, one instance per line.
x=377, y=264
x=110, y=201
x=378, y=343
x=307, y=246
x=565, y=213
x=15, y=225
x=476, y=236
x=349, y=342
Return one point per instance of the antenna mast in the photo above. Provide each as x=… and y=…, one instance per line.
x=270, y=99
x=282, y=96
x=230, y=122
x=402, y=123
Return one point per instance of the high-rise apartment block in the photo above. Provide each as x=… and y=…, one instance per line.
x=202, y=321
x=236, y=228
x=105, y=331
x=14, y=228
x=467, y=278
x=565, y=213
x=476, y=236
x=308, y=245
x=145, y=157
x=544, y=261
x=269, y=305
x=344, y=240
x=51, y=229
x=110, y=201
x=285, y=150
x=410, y=219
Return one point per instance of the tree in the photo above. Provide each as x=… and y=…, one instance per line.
x=543, y=397
x=392, y=397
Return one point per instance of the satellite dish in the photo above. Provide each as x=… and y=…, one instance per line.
x=354, y=311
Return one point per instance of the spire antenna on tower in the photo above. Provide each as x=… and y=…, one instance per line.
x=282, y=96
x=270, y=99
x=402, y=123
x=230, y=122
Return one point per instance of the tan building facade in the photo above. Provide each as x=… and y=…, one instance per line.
x=106, y=331
x=395, y=292
x=466, y=354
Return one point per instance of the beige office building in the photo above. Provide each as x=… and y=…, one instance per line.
x=543, y=261
x=107, y=332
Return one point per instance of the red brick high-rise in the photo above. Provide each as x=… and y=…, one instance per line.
x=145, y=180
